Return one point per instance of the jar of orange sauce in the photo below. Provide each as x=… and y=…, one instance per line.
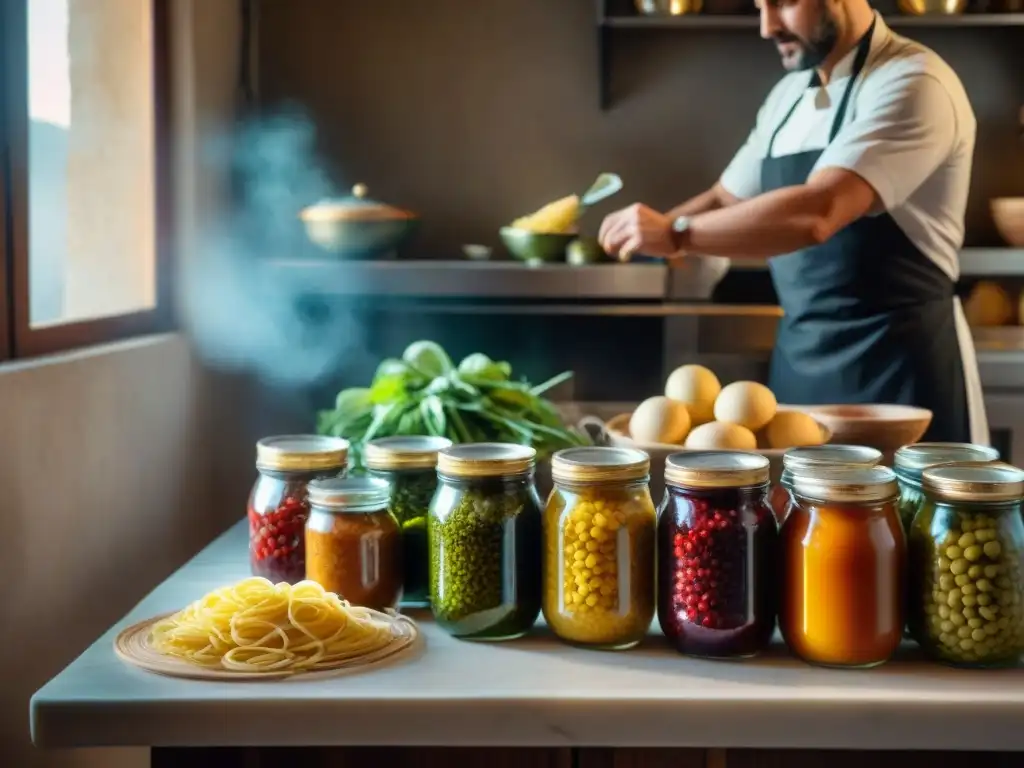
x=843, y=567
x=817, y=457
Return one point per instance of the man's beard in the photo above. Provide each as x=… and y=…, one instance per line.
x=817, y=48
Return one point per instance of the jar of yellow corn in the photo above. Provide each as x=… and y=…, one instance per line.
x=599, y=541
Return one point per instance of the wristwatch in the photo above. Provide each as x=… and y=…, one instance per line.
x=680, y=226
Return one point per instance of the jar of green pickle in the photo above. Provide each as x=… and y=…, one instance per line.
x=409, y=465
x=484, y=530
x=967, y=565
x=911, y=460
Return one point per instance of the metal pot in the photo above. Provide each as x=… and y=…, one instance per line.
x=929, y=7
x=668, y=7
x=358, y=228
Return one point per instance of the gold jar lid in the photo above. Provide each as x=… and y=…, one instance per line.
x=846, y=485
x=301, y=453
x=798, y=459
x=974, y=481
x=716, y=469
x=404, y=452
x=598, y=465
x=919, y=456
x=486, y=460
x=349, y=494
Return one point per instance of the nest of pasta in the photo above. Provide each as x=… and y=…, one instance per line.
x=258, y=629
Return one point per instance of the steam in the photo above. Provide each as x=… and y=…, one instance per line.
x=244, y=313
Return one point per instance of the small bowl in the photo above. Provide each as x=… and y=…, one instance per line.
x=1008, y=215
x=534, y=246
x=885, y=427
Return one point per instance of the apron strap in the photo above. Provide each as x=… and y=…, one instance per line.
x=863, y=49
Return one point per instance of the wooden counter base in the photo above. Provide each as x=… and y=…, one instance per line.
x=456, y=757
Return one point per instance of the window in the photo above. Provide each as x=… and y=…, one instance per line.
x=84, y=185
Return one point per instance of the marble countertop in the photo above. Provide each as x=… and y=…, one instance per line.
x=531, y=692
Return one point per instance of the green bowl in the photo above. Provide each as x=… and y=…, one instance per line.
x=535, y=247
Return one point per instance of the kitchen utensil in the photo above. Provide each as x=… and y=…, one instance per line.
x=535, y=247
x=885, y=427
x=616, y=433
x=932, y=7
x=1008, y=214
x=357, y=227
x=668, y=7
x=606, y=185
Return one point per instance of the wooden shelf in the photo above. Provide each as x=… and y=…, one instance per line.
x=608, y=22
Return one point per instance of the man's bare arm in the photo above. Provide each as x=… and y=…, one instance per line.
x=709, y=200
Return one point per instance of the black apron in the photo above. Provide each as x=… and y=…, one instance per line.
x=868, y=317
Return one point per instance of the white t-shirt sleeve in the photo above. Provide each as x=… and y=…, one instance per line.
x=742, y=177
x=904, y=129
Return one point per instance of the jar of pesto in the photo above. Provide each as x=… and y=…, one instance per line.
x=911, y=460
x=408, y=464
x=484, y=531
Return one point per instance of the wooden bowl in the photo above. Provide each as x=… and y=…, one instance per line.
x=617, y=433
x=885, y=427
x=1008, y=215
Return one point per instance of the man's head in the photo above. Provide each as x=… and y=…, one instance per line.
x=805, y=31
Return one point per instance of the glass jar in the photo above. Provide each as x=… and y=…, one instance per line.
x=967, y=565
x=818, y=456
x=911, y=460
x=353, y=543
x=484, y=529
x=843, y=567
x=278, y=507
x=717, y=554
x=409, y=465
x=599, y=547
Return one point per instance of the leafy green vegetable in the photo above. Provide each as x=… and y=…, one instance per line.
x=423, y=393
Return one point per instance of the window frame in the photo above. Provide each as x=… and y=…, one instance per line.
x=20, y=338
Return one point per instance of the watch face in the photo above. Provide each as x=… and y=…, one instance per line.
x=681, y=224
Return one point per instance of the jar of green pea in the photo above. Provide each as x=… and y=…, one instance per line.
x=408, y=464
x=484, y=531
x=966, y=569
x=911, y=460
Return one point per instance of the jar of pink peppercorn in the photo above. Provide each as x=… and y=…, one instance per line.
x=278, y=507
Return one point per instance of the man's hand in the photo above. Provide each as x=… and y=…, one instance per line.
x=637, y=229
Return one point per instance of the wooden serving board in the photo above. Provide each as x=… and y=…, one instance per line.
x=132, y=646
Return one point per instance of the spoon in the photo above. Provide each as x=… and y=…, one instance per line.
x=606, y=185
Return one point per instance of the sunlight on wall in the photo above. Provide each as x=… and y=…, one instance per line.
x=49, y=64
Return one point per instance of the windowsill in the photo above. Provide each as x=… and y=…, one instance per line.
x=87, y=353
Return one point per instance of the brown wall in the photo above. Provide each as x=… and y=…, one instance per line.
x=473, y=112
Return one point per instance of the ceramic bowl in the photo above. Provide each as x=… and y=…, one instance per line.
x=1008, y=215
x=885, y=427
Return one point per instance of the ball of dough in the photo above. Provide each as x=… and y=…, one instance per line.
x=659, y=420
x=746, y=403
x=721, y=435
x=698, y=388
x=792, y=429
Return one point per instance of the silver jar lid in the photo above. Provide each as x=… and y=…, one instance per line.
x=716, y=469
x=600, y=465
x=913, y=459
x=349, y=494
x=846, y=485
x=797, y=459
x=974, y=481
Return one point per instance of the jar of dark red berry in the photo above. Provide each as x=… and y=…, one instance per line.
x=814, y=457
x=717, y=554
x=278, y=507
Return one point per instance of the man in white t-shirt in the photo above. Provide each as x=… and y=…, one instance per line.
x=853, y=185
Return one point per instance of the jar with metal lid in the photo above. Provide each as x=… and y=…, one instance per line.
x=967, y=565
x=409, y=465
x=911, y=460
x=817, y=457
x=843, y=567
x=484, y=529
x=599, y=547
x=353, y=542
x=278, y=507
x=717, y=554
